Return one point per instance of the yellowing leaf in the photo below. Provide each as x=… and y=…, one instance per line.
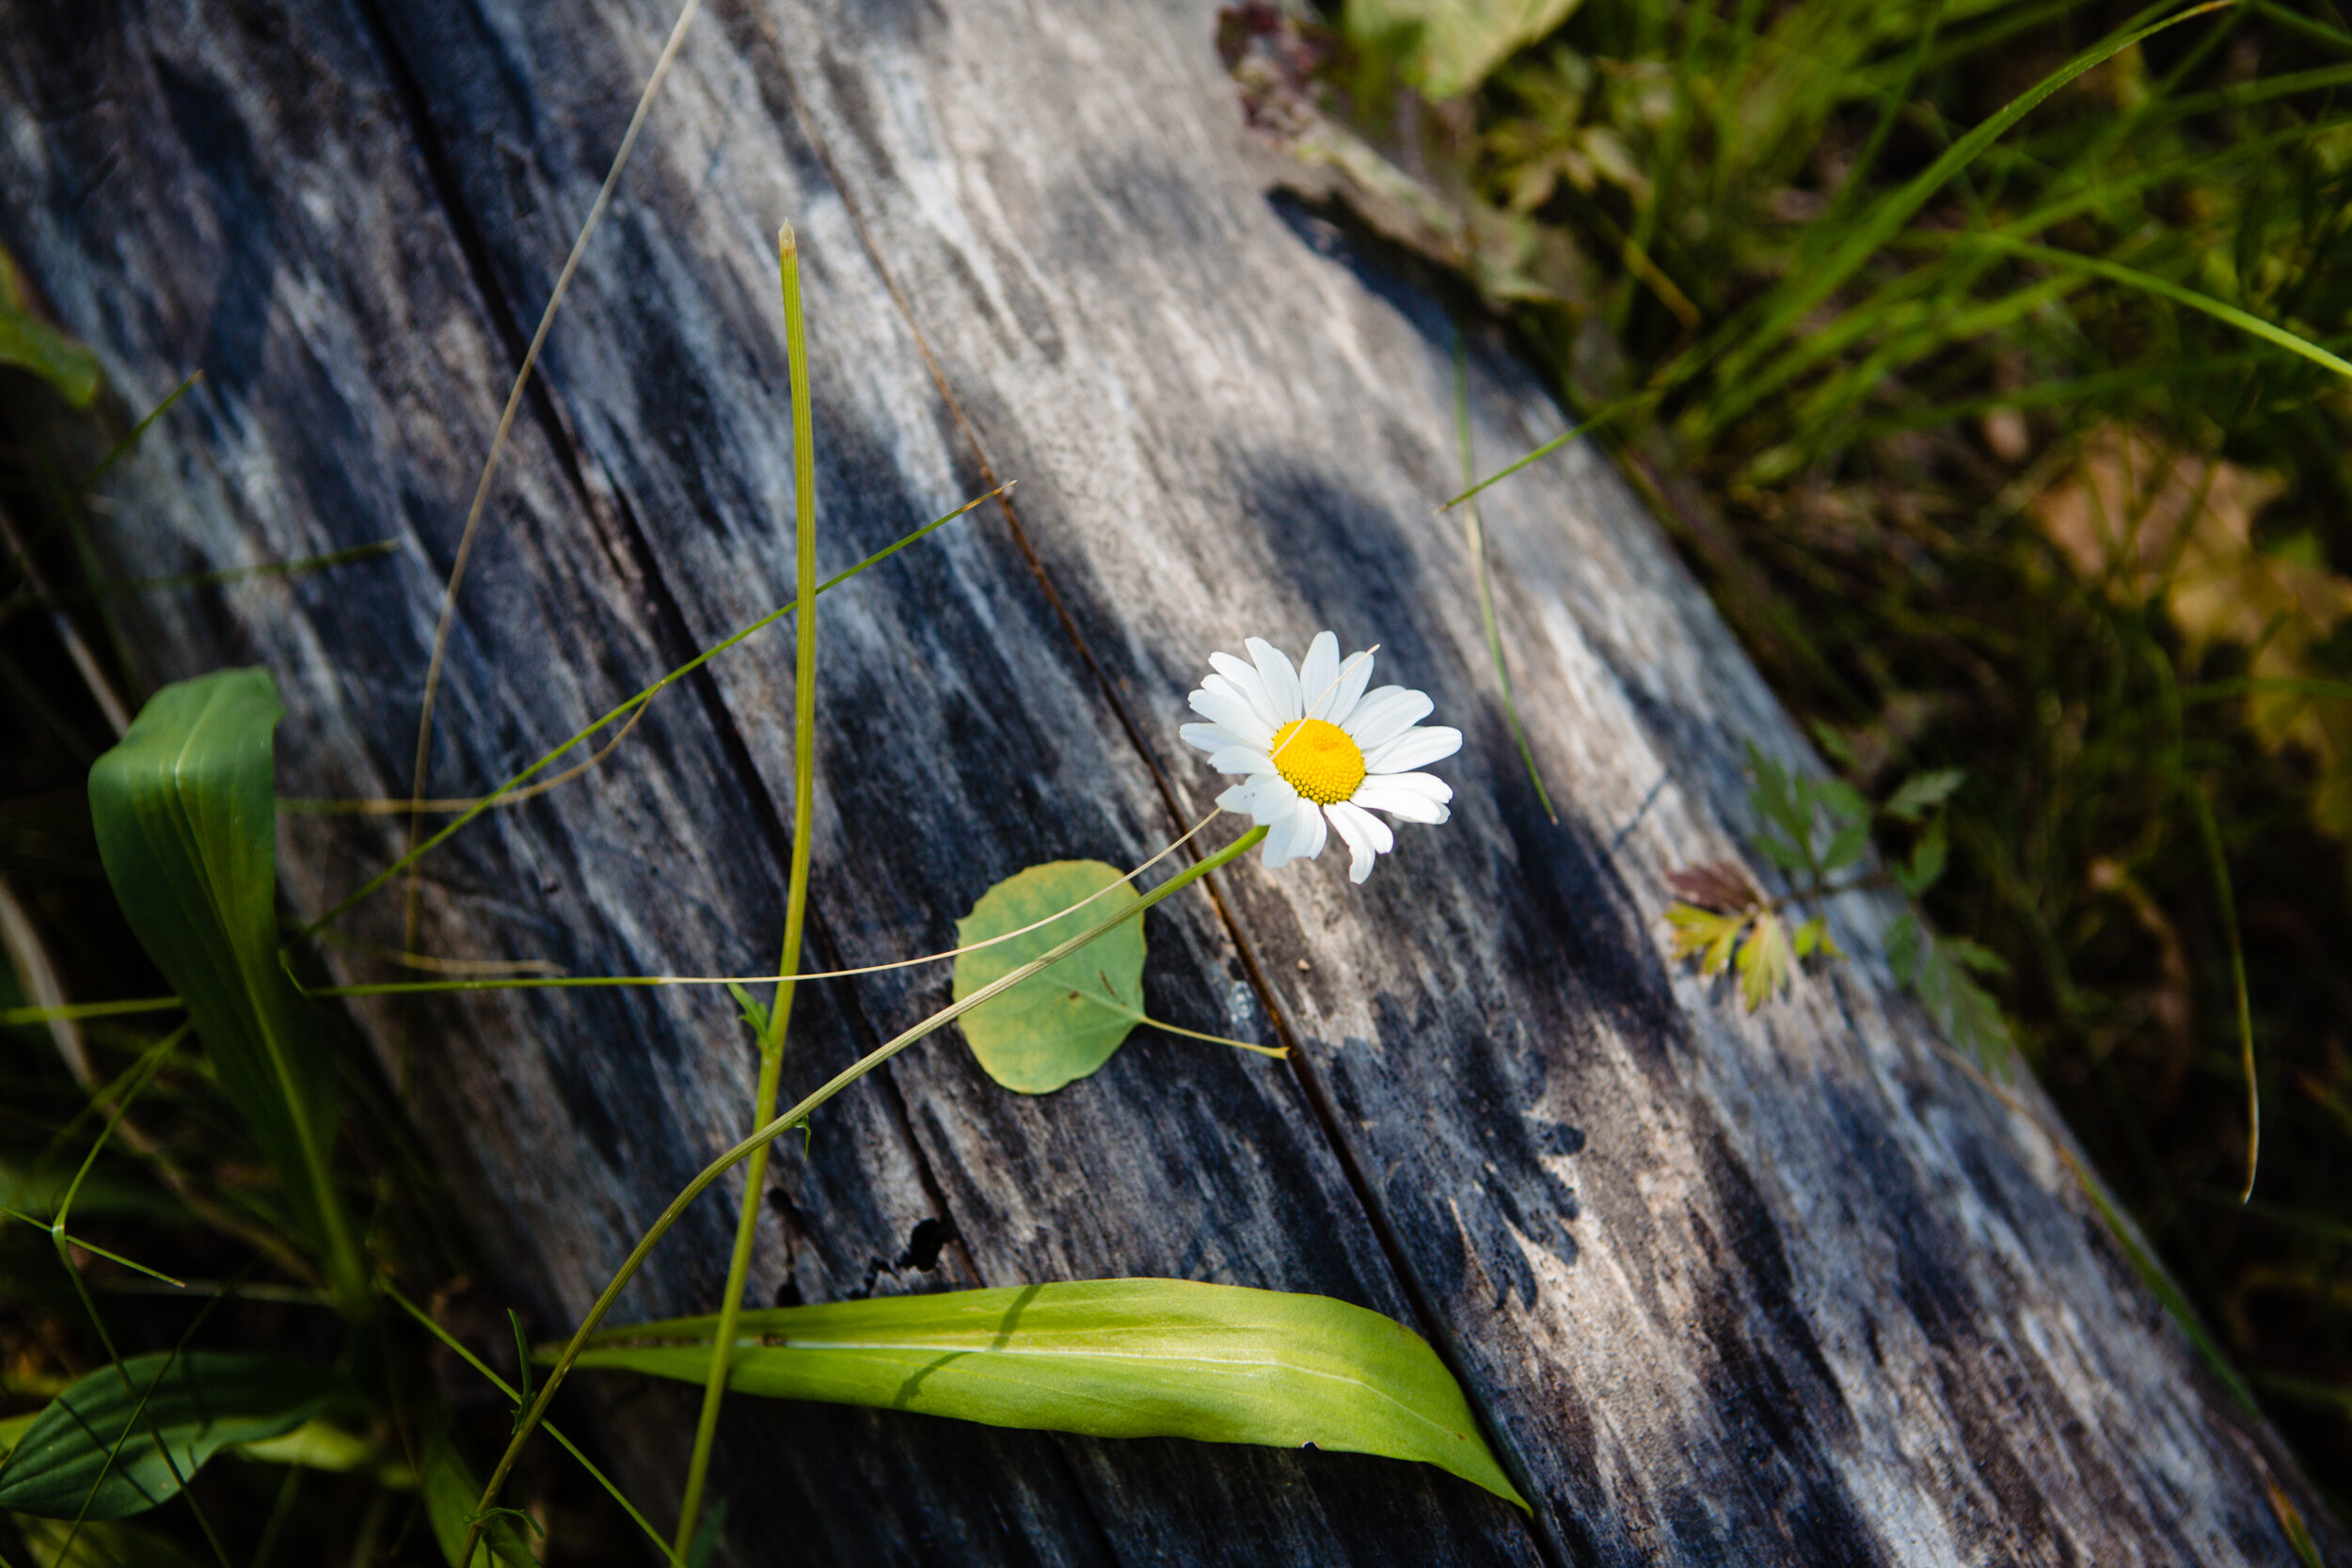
x=2152, y=521
x=1459, y=42
x=1704, y=932
x=1105, y=1358
x=1766, y=962
x=1064, y=1023
x=1813, y=937
x=28, y=342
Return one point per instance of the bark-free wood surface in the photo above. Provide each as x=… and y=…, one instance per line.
x=1788, y=1288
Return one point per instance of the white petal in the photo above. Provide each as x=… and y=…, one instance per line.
x=1350, y=821
x=1398, y=799
x=1267, y=797
x=1319, y=674
x=1282, y=681
x=1284, y=833
x=1375, y=830
x=1419, y=745
x=1242, y=759
x=1246, y=680
x=1313, y=833
x=1354, y=675
x=1209, y=738
x=1427, y=785
x=1230, y=710
x=1385, y=715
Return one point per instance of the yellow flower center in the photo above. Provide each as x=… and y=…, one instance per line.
x=1319, y=760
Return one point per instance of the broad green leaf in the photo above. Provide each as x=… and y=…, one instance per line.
x=1457, y=42
x=1066, y=1021
x=185, y=813
x=1902, y=948
x=1833, y=740
x=112, y=1187
x=28, y=342
x=98, y=1543
x=1923, y=792
x=706, y=1536
x=1107, y=1358
x=319, y=1444
x=451, y=1491
x=103, y=1442
x=1969, y=954
x=1780, y=799
x=1927, y=860
x=1845, y=803
x=1766, y=960
x=1960, y=1007
x=1788, y=856
x=1847, y=846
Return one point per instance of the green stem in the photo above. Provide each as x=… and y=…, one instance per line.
x=796, y=898
x=458, y=1348
x=780, y=1125
x=1279, y=1053
x=647, y=695
x=1474, y=530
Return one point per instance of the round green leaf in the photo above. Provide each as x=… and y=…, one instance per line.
x=1064, y=1021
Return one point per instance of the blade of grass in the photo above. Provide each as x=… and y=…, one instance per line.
x=1474, y=530
x=631, y=705
x=234, y=574
x=506, y=421
x=1789, y=304
x=76, y=1010
x=119, y=449
x=612, y=1491
x=559, y=982
x=780, y=1125
x=2217, y=866
x=796, y=897
x=1623, y=405
x=2215, y=691
x=2115, y=272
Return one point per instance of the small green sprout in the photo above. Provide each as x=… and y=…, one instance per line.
x=1813, y=828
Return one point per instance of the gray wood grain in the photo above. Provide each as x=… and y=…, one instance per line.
x=1788, y=1288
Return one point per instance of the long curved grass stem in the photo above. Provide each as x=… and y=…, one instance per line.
x=796, y=897
x=780, y=1125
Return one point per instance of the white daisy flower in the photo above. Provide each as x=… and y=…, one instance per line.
x=1319, y=750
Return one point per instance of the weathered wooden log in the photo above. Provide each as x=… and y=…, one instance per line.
x=1726, y=1289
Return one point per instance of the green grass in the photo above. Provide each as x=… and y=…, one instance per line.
x=1863, y=337
x=1866, y=312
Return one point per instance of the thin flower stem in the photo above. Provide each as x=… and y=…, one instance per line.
x=1279, y=1053
x=299, y=806
x=467, y=536
x=505, y=1387
x=547, y=982
x=14, y=1017
x=1821, y=891
x=780, y=1125
x=796, y=898
x=1474, y=530
x=648, y=694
